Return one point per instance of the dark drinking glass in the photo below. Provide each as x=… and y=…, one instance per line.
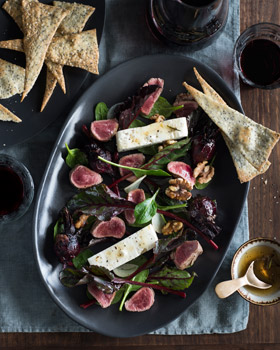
x=193, y=23
x=16, y=189
x=257, y=56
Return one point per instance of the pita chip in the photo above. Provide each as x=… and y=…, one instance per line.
x=50, y=86
x=77, y=18
x=13, y=8
x=245, y=170
x=254, y=141
x=8, y=116
x=76, y=50
x=39, y=23
x=11, y=79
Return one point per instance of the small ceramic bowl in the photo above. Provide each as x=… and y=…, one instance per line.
x=241, y=260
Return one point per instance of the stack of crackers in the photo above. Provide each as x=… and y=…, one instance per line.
x=249, y=143
x=53, y=34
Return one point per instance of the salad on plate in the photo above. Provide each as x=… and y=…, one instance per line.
x=136, y=224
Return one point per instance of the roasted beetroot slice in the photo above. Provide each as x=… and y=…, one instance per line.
x=186, y=254
x=104, y=130
x=135, y=160
x=83, y=177
x=112, y=228
x=103, y=299
x=142, y=300
x=135, y=196
x=183, y=170
x=149, y=103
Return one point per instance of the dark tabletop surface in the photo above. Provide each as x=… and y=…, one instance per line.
x=264, y=219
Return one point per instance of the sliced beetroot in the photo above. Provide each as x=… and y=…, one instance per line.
x=83, y=177
x=183, y=170
x=135, y=160
x=112, y=228
x=103, y=299
x=104, y=130
x=142, y=300
x=135, y=196
x=150, y=101
x=186, y=254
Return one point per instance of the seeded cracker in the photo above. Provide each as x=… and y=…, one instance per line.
x=245, y=170
x=8, y=116
x=254, y=141
x=39, y=23
x=15, y=44
x=50, y=86
x=11, y=79
x=76, y=50
x=13, y=8
x=76, y=20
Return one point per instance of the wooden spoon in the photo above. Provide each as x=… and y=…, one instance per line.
x=226, y=288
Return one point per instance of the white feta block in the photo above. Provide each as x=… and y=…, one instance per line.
x=151, y=134
x=126, y=250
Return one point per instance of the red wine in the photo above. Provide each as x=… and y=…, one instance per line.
x=11, y=190
x=260, y=62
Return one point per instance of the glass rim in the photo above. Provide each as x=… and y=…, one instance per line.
x=21, y=170
x=245, y=35
x=211, y=2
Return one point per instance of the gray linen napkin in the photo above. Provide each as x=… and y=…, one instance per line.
x=25, y=305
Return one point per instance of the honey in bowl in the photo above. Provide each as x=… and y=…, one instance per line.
x=266, y=268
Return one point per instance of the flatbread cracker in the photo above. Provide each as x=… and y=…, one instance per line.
x=57, y=71
x=13, y=8
x=11, y=79
x=8, y=116
x=76, y=50
x=14, y=44
x=51, y=82
x=39, y=23
x=77, y=18
x=245, y=170
x=254, y=141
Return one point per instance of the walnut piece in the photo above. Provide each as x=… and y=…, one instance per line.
x=166, y=144
x=171, y=226
x=203, y=172
x=157, y=118
x=82, y=221
x=179, y=189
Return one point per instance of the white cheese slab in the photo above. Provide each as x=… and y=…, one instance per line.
x=129, y=248
x=151, y=134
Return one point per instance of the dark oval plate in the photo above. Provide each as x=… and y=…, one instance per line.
x=55, y=190
x=34, y=121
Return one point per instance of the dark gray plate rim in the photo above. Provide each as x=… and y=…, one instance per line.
x=112, y=87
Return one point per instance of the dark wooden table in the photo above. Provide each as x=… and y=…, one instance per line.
x=263, y=330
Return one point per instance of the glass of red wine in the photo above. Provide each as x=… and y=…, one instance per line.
x=192, y=23
x=257, y=56
x=16, y=189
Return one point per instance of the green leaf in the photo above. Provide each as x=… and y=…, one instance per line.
x=171, y=207
x=136, y=123
x=75, y=157
x=149, y=150
x=163, y=107
x=140, y=277
x=138, y=171
x=145, y=210
x=58, y=227
x=81, y=259
x=101, y=111
x=172, y=278
x=168, y=154
x=118, y=295
x=100, y=202
x=199, y=186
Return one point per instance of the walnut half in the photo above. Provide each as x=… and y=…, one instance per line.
x=179, y=189
x=203, y=172
x=171, y=226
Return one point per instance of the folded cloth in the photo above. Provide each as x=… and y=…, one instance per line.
x=24, y=302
